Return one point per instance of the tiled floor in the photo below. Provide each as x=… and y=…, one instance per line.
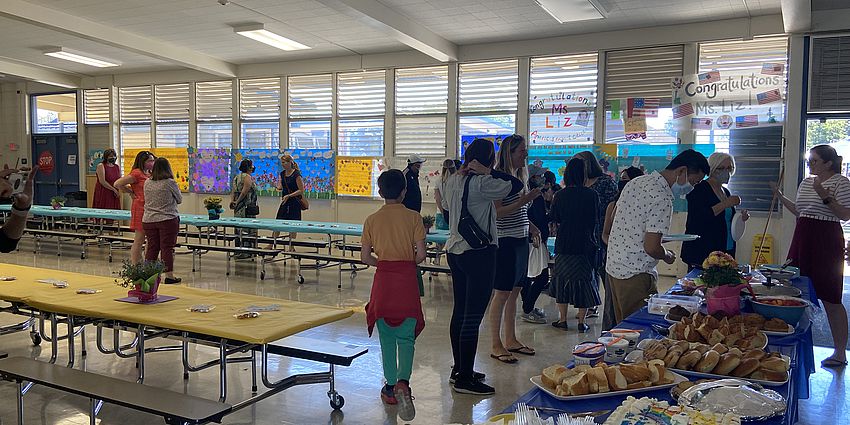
x=359, y=384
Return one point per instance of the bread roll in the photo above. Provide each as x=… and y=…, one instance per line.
x=598, y=375
x=775, y=364
x=683, y=346
x=672, y=357
x=692, y=335
x=731, y=339
x=754, y=319
x=712, y=322
x=702, y=348
x=677, y=330
x=639, y=384
x=756, y=353
x=736, y=351
x=688, y=360
x=728, y=362
x=769, y=375
x=656, y=369
x=635, y=373
x=704, y=331
x=758, y=340
x=720, y=348
x=616, y=380
x=708, y=361
x=668, y=378
x=715, y=337
x=551, y=376
x=582, y=368
x=776, y=325
x=655, y=351
x=746, y=367
x=577, y=384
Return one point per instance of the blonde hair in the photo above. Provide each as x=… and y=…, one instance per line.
x=288, y=158
x=504, y=162
x=717, y=158
x=448, y=170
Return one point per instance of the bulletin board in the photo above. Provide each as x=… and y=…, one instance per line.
x=179, y=160
x=93, y=158
x=429, y=174
x=267, y=168
x=210, y=170
x=355, y=176
x=318, y=170
x=129, y=158
x=555, y=157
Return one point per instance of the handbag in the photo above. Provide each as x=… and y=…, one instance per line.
x=538, y=259
x=301, y=200
x=468, y=229
x=252, y=210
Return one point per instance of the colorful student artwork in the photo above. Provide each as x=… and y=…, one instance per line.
x=354, y=175
x=562, y=118
x=179, y=160
x=318, y=168
x=715, y=100
x=266, y=168
x=554, y=158
x=210, y=169
x=129, y=158
x=429, y=173
x=93, y=158
x=467, y=139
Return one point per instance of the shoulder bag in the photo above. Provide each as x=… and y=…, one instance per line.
x=301, y=200
x=467, y=227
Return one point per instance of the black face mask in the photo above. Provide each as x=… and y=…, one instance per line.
x=110, y=160
x=621, y=184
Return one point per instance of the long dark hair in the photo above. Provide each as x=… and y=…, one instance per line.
x=828, y=153
x=481, y=150
x=161, y=170
x=141, y=158
x=591, y=164
x=574, y=174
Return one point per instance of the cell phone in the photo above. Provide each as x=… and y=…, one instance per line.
x=17, y=180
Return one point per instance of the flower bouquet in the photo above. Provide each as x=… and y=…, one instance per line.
x=57, y=202
x=213, y=206
x=723, y=283
x=144, y=278
x=428, y=222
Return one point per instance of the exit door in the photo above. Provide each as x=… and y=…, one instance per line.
x=55, y=157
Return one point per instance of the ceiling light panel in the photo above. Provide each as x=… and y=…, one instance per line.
x=258, y=32
x=572, y=10
x=80, y=57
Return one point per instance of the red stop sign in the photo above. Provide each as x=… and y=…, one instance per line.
x=45, y=162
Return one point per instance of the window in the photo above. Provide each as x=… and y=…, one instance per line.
x=421, y=103
x=310, y=111
x=361, y=105
x=259, y=108
x=830, y=79
x=562, y=100
x=134, y=112
x=96, y=118
x=214, y=114
x=638, y=97
x=487, y=100
x=757, y=148
x=172, y=115
x=54, y=113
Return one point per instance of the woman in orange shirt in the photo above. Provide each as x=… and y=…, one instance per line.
x=134, y=184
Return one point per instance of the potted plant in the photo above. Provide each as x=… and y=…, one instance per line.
x=57, y=202
x=723, y=283
x=428, y=222
x=143, y=277
x=213, y=206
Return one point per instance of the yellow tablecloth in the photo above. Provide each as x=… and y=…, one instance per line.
x=292, y=318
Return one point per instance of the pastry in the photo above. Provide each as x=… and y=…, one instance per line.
x=769, y=375
x=616, y=380
x=654, y=350
x=728, y=362
x=688, y=360
x=599, y=380
x=551, y=376
x=775, y=364
x=677, y=313
x=656, y=370
x=756, y=353
x=708, y=361
x=775, y=325
x=746, y=367
x=720, y=348
x=651, y=411
x=576, y=384
x=672, y=357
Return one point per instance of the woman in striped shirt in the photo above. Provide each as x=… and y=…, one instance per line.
x=512, y=254
x=817, y=248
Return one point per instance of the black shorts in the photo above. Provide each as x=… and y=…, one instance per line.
x=511, y=263
x=291, y=210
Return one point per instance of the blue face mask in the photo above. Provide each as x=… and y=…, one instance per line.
x=681, y=190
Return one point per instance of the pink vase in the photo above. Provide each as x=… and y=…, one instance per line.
x=143, y=296
x=725, y=298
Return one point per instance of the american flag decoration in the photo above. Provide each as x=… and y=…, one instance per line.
x=769, y=96
x=641, y=107
x=683, y=111
x=701, y=123
x=709, y=77
x=772, y=68
x=746, y=121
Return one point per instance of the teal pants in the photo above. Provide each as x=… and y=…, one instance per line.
x=397, y=349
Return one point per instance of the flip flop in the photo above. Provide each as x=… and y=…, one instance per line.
x=501, y=357
x=523, y=350
x=830, y=362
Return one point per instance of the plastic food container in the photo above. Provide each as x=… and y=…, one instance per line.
x=790, y=314
x=630, y=335
x=661, y=304
x=615, y=348
x=589, y=353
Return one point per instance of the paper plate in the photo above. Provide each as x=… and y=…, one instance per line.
x=738, y=227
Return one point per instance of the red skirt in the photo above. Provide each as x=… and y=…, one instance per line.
x=137, y=211
x=818, y=250
x=395, y=295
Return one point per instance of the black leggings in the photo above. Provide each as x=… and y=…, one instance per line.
x=532, y=290
x=472, y=280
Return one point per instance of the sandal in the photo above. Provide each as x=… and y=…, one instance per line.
x=505, y=358
x=830, y=362
x=560, y=325
x=528, y=351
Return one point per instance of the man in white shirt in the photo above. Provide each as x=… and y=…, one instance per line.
x=642, y=218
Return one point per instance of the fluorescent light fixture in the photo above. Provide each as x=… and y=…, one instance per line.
x=259, y=33
x=79, y=57
x=572, y=10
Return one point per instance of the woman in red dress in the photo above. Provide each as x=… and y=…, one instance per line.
x=106, y=196
x=134, y=184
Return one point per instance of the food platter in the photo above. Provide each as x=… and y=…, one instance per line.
x=536, y=380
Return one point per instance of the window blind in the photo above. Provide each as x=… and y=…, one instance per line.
x=259, y=99
x=421, y=103
x=310, y=96
x=96, y=106
x=830, y=74
x=488, y=86
x=643, y=73
x=134, y=104
x=172, y=102
x=214, y=101
x=562, y=99
x=361, y=94
x=361, y=137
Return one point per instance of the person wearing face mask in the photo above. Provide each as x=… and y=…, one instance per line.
x=134, y=184
x=711, y=209
x=643, y=216
x=106, y=196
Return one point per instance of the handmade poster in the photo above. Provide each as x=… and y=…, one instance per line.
x=210, y=169
x=562, y=118
x=555, y=157
x=354, y=175
x=267, y=168
x=318, y=170
x=129, y=158
x=179, y=160
x=715, y=100
x=93, y=158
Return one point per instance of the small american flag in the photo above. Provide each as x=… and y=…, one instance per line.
x=683, y=111
x=769, y=96
x=709, y=77
x=746, y=121
x=773, y=68
x=640, y=107
x=701, y=123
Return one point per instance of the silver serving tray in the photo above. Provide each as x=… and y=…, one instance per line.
x=749, y=400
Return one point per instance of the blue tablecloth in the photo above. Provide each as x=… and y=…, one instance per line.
x=798, y=347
